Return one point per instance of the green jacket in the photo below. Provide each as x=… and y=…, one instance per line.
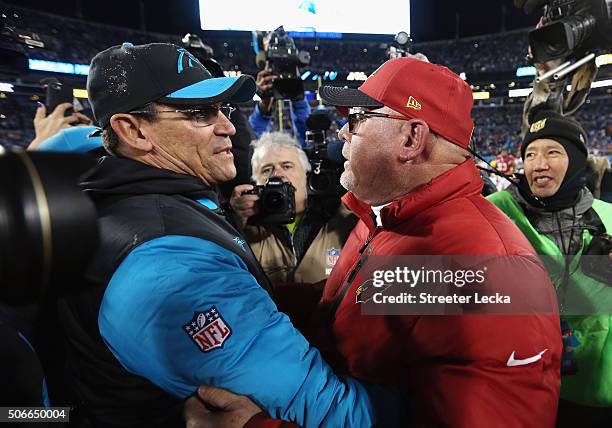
x=592, y=384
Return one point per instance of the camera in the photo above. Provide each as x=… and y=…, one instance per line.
x=572, y=28
x=402, y=46
x=324, y=178
x=598, y=267
x=276, y=203
x=283, y=58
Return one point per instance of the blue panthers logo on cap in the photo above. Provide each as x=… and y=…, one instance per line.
x=186, y=56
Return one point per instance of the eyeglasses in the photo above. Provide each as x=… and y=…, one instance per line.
x=355, y=118
x=204, y=116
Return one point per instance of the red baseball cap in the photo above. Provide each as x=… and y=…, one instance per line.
x=416, y=89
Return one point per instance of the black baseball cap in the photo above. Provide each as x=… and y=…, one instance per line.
x=125, y=77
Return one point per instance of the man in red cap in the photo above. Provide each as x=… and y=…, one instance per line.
x=416, y=191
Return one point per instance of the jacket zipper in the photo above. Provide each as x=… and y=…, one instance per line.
x=356, y=268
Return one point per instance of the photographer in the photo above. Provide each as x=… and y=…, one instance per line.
x=49, y=126
x=305, y=250
x=260, y=119
x=564, y=223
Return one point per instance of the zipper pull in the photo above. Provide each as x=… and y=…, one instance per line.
x=367, y=242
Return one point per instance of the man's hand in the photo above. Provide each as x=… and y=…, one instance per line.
x=419, y=56
x=47, y=126
x=231, y=410
x=264, y=82
x=244, y=206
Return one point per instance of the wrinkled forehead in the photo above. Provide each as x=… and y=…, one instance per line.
x=274, y=154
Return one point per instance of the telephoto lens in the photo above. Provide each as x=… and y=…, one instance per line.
x=48, y=228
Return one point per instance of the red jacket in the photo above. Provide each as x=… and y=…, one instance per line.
x=454, y=368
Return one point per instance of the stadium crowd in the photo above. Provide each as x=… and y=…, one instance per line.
x=497, y=125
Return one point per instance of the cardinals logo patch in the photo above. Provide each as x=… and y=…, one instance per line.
x=208, y=329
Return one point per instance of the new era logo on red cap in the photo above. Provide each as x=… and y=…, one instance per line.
x=413, y=104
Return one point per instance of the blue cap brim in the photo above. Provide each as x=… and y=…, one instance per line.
x=75, y=140
x=238, y=89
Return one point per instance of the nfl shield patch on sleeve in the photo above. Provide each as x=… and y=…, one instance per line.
x=331, y=257
x=208, y=329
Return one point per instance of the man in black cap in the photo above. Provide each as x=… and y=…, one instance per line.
x=570, y=229
x=176, y=296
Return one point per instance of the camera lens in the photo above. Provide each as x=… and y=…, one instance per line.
x=274, y=201
x=48, y=226
x=319, y=183
x=559, y=39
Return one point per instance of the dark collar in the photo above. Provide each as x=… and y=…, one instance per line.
x=121, y=176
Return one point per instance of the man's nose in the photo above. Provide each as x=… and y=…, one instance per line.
x=223, y=126
x=344, y=134
x=278, y=172
x=540, y=163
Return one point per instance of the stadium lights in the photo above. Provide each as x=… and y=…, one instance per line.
x=232, y=73
x=603, y=60
x=602, y=83
x=327, y=75
x=79, y=93
x=82, y=69
x=58, y=67
x=6, y=87
x=356, y=75
x=481, y=95
x=463, y=76
x=513, y=93
x=330, y=75
x=526, y=71
x=598, y=84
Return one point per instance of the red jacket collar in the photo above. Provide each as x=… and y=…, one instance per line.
x=463, y=180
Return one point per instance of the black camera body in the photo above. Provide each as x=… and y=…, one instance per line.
x=324, y=178
x=402, y=46
x=284, y=59
x=276, y=203
x=573, y=27
x=57, y=93
x=595, y=260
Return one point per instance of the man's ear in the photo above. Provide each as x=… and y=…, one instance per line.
x=129, y=129
x=415, y=133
